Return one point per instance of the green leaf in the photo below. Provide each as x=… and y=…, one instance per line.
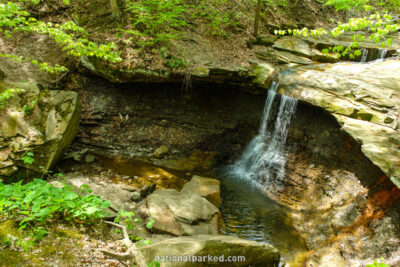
x=149, y=225
x=91, y=210
x=70, y=196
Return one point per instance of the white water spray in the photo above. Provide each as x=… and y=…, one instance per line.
x=265, y=156
x=364, y=55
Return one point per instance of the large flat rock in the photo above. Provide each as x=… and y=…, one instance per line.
x=175, y=252
x=181, y=213
x=364, y=98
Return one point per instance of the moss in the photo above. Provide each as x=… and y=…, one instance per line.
x=59, y=245
x=69, y=234
x=12, y=258
x=7, y=228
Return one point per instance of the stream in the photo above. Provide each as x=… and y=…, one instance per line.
x=249, y=214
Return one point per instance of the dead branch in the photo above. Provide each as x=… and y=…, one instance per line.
x=132, y=251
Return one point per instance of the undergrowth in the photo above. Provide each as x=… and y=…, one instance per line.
x=36, y=203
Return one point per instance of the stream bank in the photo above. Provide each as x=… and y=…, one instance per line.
x=342, y=205
x=337, y=199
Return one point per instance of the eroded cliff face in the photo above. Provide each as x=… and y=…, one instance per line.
x=364, y=98
x=345, y=207
x=211, y=121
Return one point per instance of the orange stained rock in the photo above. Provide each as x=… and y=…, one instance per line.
x=375, y=209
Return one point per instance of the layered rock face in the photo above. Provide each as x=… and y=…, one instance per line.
x=39, y=121
x=365, y=100
x=342, y=173
x=137, y=119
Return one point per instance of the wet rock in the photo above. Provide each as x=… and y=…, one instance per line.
x=161, y=152
x=206, y=187
x=89, y=158
x=136, y=197
x=264, y=74
x=256, y=254
x=46, y=131
x=77, y=155
x=361, y=97
x=145, y=191
x=164, y=122
x=152, y=188
x=178, y=213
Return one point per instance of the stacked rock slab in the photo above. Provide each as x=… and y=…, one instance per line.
x=365, y=100
x=43, y=122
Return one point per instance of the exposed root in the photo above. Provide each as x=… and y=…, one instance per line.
x=132, y=251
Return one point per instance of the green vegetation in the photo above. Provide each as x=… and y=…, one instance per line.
x=7, y=94
x=156, y=21
x=72, y=38
x=377, y=27
x=38, y=202
x=347, y=4
x=377, y=263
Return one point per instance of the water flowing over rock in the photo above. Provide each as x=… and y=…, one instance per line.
x=365, y=100
x=265, y=155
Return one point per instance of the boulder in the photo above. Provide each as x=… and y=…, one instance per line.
x=160, y=152
x=120, y=198
x=264, y=74
x=302, y=48
x=206, y=250
x=40, y=121
x=178, y=213
x=286, y=57
x=312, y=47
x=206, y=187
x=365, y=100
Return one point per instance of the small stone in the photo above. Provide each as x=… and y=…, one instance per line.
x=77, y=155
x=128, y=188
x=152, y=188
x=145, y=190
x=388, y=120
x=311, y=166
x=90, y=158
x=160, y=152
x=136, y=197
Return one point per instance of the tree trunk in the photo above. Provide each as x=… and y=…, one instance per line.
x=116, y=13
x=257, y=18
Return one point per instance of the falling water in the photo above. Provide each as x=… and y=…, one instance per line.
x=364, y=55
x=265, y=156
x=382, y=53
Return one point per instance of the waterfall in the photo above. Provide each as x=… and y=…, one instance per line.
x=265, y=156
x=364, y=55
x=382, y=53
